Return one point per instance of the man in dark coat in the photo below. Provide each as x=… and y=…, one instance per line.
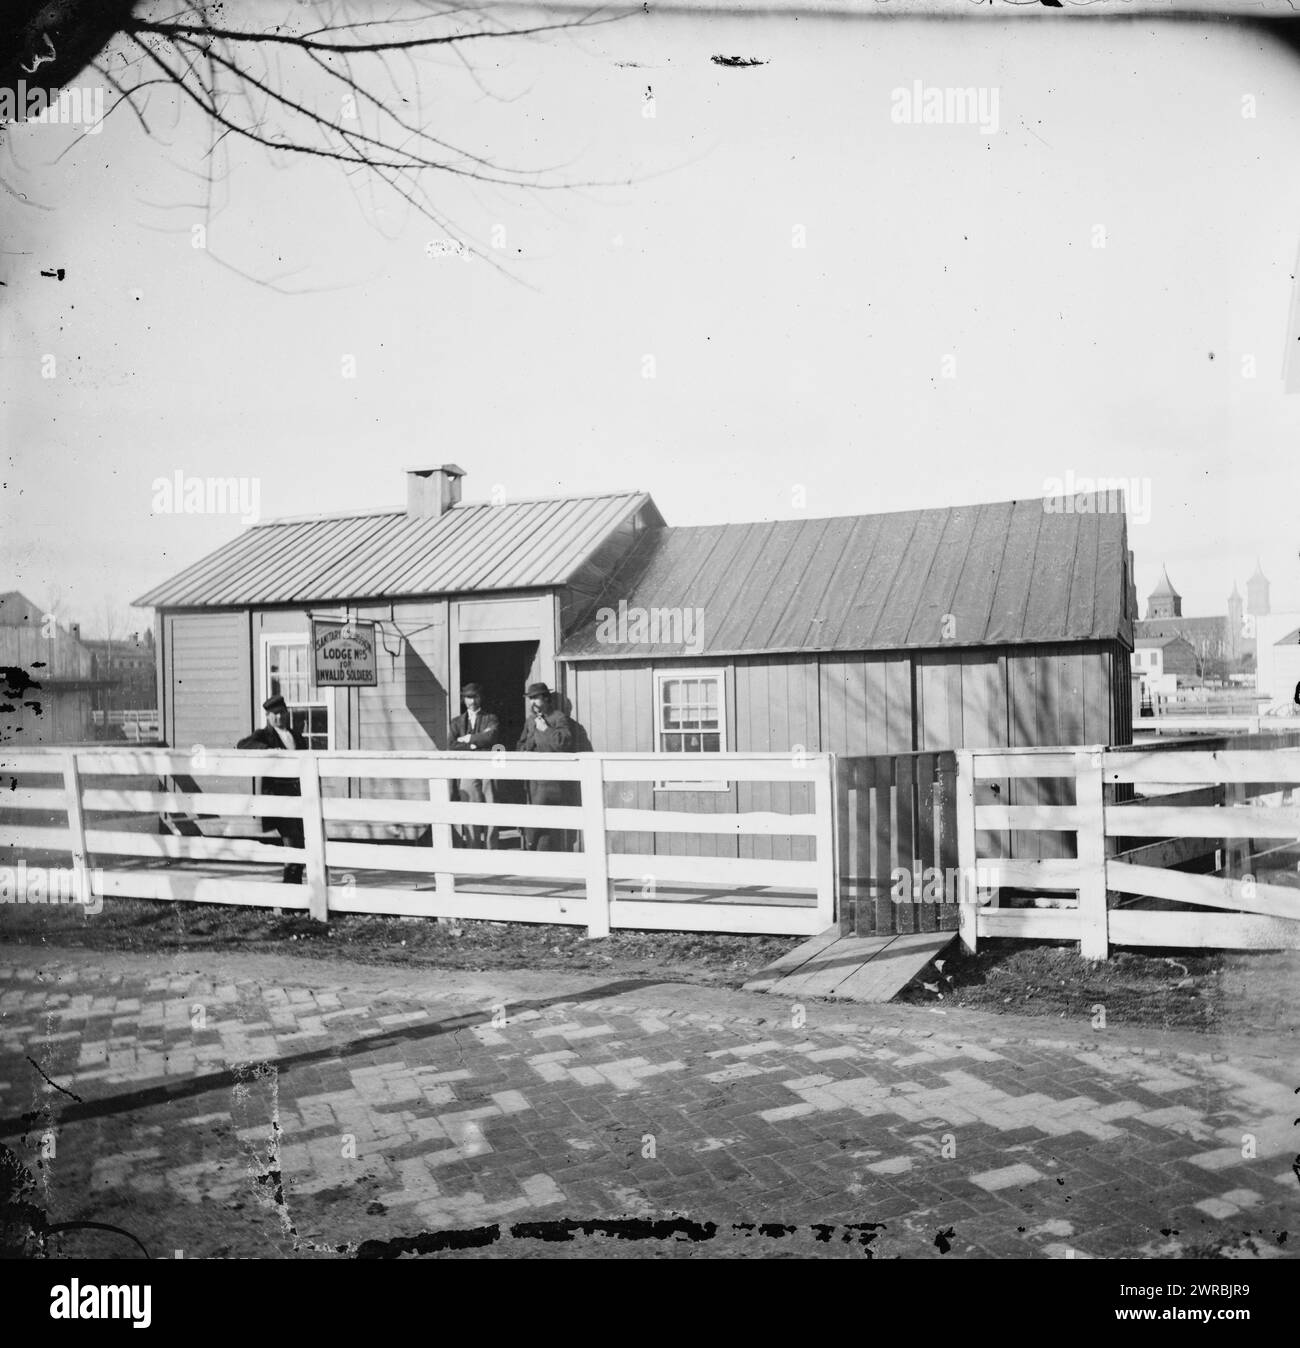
x=277, y=734
x=548, y=732
x=478, y=730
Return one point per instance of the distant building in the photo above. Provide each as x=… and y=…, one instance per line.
x=1257, y=593
x=1164, y=601
x=1163, y=664
x=1286, y=666
x=128, y=667
x=1227, y=640
x=48, y=675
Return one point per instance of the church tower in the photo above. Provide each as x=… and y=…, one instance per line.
x=1257, y=593
x=1234, y=623
x=1164, y=601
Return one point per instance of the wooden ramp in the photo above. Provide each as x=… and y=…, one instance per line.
x=853, y=968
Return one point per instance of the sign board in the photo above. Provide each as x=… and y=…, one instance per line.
x=343, y=653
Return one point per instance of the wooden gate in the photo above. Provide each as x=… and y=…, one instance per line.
x=897, y=833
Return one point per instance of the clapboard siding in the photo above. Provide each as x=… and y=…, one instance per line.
x=210, y=666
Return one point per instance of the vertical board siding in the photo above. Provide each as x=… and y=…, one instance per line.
x=46, y=714
x=408, y=707
x=614, y=702
x=777, y=711
x=899, y=715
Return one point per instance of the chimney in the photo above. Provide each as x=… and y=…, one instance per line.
x=431, y=492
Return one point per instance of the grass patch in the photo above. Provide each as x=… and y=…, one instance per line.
x=1166, y=988
x=161, y=925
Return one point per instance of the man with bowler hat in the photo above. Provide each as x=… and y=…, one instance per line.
x=548, y=732
x=474, y=729
x=278, y=734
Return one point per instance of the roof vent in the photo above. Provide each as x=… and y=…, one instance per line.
x=431, y=492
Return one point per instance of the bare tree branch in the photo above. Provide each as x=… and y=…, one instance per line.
x=226, y=73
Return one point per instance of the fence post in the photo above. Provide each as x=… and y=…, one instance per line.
x=843, y=776
x=967, y=900
x=76, y=827
x=1090, y=796
x=313, y=834
x=440, y=833
x=595, y=847
x=824, y=807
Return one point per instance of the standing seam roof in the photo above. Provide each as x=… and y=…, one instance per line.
x=1008, y=572
x=472, y=547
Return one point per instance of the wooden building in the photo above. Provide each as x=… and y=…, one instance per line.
x=456, y=590
x=49, y=678
x=975, y=626
x=884, y=634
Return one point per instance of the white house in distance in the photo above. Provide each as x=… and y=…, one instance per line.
x=1278, y=654
x=1159, y=675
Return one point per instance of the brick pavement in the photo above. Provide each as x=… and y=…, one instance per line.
x=311, y=1108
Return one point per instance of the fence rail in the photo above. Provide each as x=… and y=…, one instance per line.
x=185, y=841
x=1137, y=815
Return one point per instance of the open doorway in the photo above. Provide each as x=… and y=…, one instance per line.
x=501, y=669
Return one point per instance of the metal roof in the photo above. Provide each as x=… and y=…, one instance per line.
x=1000, y=574
x=472, y=547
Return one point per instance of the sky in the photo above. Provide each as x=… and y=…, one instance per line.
x=771, y=299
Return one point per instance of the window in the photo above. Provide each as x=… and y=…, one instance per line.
x=286, y=671
x=690, y=718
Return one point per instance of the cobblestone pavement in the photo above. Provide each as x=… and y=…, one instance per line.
x=231, y=1105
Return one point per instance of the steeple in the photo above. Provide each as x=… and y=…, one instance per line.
x=1164, y=601
x=1257, y=593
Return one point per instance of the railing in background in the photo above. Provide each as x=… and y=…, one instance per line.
x=1209, y=723
x=137, y=726
x=684, y=893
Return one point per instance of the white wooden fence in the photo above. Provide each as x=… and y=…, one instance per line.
x=111, y=802
x=1238, y=810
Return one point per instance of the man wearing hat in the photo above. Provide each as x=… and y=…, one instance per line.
x=474, y=729
x=278, y=734
x=548, y=732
